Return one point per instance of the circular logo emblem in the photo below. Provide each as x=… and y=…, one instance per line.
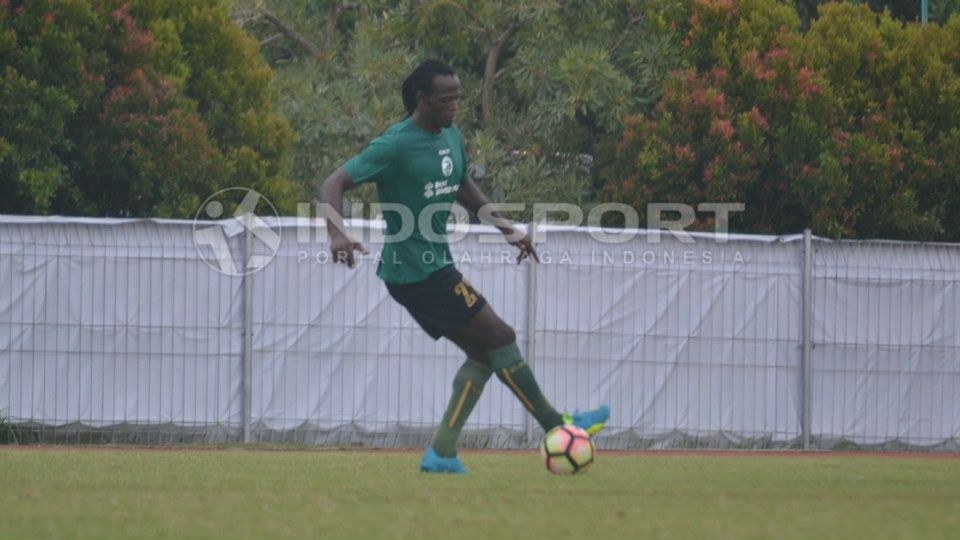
x=447, y=166
x=211, y=239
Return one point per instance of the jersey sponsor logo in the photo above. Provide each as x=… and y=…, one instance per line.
x=440, y=187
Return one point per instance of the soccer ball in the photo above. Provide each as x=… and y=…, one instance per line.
x=567, y=450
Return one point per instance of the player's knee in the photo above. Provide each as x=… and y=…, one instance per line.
x=504, y=336
x=478, y=355
x=482, y=358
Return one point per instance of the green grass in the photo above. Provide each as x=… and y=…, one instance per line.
x=108, y=493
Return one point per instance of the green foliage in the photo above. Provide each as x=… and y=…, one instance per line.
x=721, y=32
x=899, y=87
x=850, y=129
x=938, y=11
x=9, y=433
x=516, y=175
x=139, y=108
x=564, y=75
x=339, y=100
x=338, y=107
x=843, y=119
x=564, y=81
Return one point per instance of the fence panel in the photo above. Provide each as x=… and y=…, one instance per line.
x=122, y=330
x=694, y=344
x=114, y=330
x=337, y=361
x=886, y=359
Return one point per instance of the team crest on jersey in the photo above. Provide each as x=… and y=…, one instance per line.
x=447, y=166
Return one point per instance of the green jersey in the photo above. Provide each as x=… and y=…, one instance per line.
x=421, y=171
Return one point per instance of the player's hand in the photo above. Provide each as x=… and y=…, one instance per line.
x=342, y=249
x=525, y=245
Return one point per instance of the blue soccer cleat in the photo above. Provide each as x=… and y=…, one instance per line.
x=432, y=463
x=590, y=421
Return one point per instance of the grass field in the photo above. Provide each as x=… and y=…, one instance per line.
x=235, y=493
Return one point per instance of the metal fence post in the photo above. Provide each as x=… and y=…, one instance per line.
x=807, y=322
x=531, y=320
x=247, y=326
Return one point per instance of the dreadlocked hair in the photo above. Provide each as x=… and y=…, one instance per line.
x=422, y=80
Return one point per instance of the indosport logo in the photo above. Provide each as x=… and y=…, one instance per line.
x=212, y=240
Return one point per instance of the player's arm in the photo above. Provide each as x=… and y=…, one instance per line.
x=470, y=197
x=331, y=197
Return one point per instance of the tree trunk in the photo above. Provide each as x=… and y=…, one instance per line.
x=292, y=34
x=490, y=74
x=335, y=12
x=626, y=33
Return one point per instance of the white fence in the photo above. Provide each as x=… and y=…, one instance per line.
x=120, y=330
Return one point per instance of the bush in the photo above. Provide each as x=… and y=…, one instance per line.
x=139, y=108
x=9, y=433
x=850, y=129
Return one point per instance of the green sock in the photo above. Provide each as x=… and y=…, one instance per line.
x=510, y=368
x=467, y=388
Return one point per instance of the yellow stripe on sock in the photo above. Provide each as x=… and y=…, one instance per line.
x=516, y=390
x=463, y=397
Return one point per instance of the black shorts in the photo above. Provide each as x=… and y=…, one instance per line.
x=442, y=304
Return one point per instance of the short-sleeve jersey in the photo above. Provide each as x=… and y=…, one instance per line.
x=421, y=171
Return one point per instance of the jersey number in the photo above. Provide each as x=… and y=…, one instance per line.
x=462, y=289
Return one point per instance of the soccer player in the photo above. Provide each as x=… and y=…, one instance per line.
x=418, y=162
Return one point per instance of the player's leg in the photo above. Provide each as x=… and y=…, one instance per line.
x=468, y=386
x=442, y=305
x=493, y=342
x=446, y=305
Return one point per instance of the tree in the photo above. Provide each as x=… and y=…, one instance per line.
x=477, y=35
x=899, y=88
x=850, y=129
x=939, y=11
x=139, y=108
x=534, y=126
x=548, y=83
x=338, y=80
